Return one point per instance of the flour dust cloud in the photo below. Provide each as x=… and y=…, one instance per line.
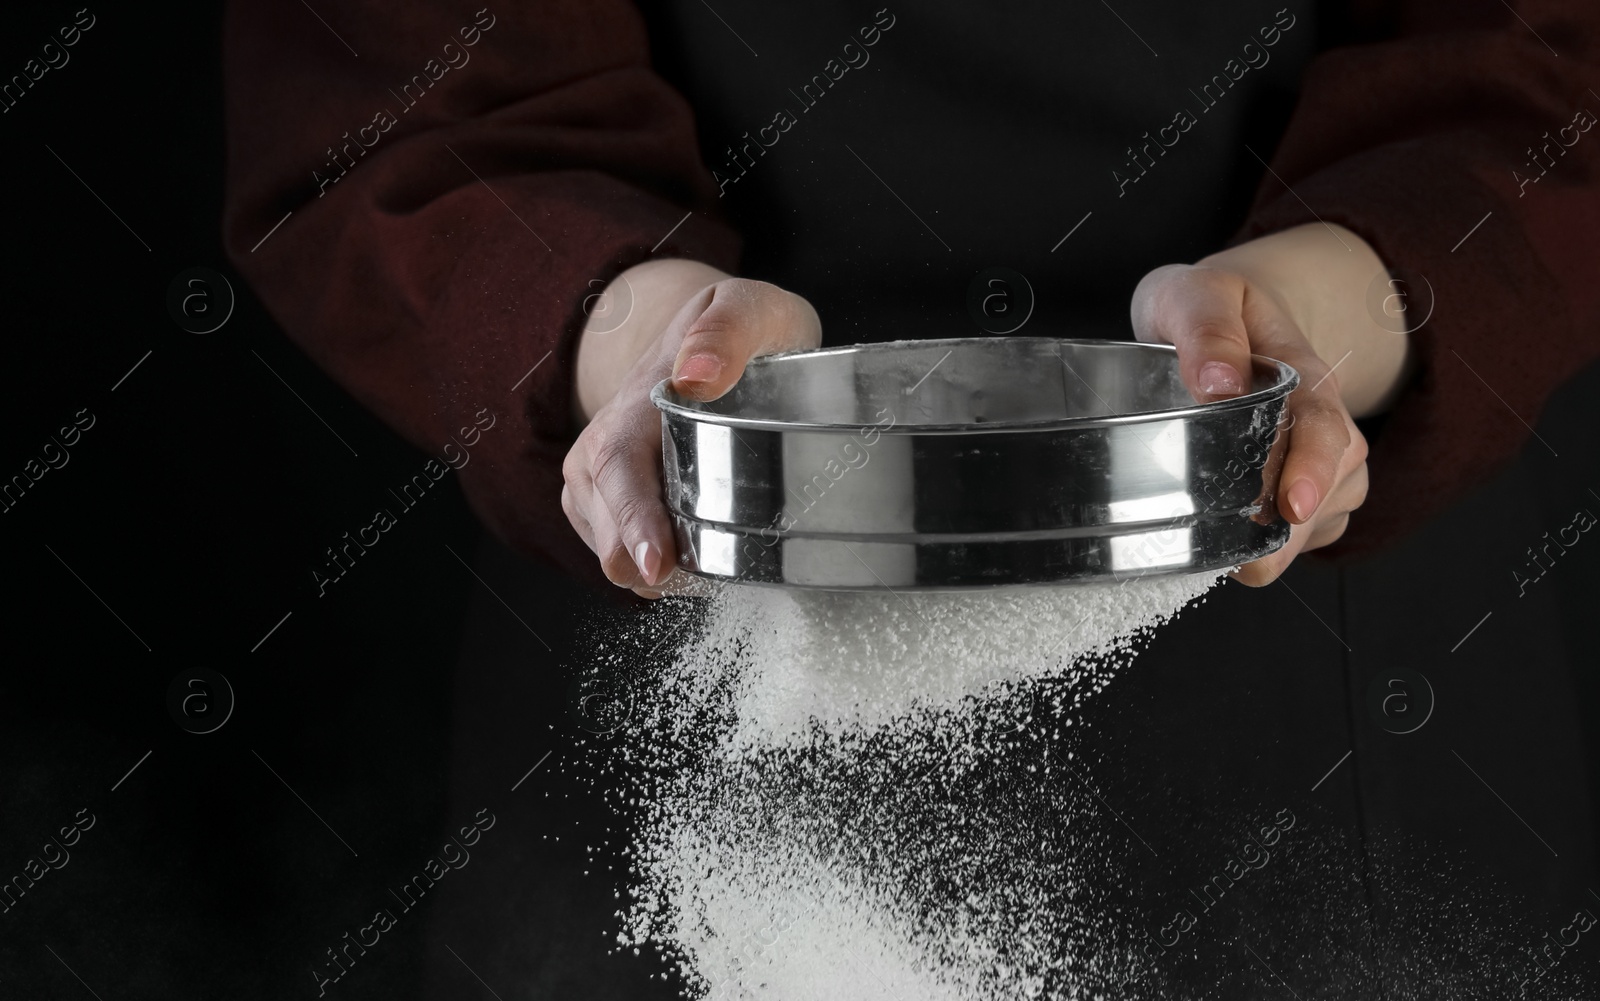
x=873, y=795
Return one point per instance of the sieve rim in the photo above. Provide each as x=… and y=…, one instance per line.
x=676, y=405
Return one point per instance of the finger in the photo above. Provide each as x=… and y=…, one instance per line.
x=742, y=319
x=627, y=480
x=1348, y=494
x=1321, y=436
x=1334, y=518
x=1330, y=523
x=1328, y=532
x=1201, y=313
x=580, y=524
x=619, y=567
x=577, y=489
x=1351, y=492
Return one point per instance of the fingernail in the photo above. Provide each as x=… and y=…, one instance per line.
x=1218, y=378
x=649, y=560
x=699, y=368
x=1303, y=499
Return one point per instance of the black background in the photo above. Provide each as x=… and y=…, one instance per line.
x=195, y=507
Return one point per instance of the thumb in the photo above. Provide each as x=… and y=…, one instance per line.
x=1199, y=311
x=742, y=319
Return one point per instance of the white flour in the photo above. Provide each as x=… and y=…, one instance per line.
x=840, y=661
x=875, y=797
x=781, y=706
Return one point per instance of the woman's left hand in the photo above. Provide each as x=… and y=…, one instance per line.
x=1299, y=296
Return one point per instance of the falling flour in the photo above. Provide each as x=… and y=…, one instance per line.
x=883, y=797
x=780, y=706
x=841, y=661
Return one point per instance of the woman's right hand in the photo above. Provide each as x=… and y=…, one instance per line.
x=696, y=325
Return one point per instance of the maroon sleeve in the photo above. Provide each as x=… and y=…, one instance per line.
x=450, y=187
x=1414, y=141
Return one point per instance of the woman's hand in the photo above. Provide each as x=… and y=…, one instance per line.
x=689, y=322
x=1299, y=296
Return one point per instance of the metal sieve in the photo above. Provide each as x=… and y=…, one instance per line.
x=972, y=462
